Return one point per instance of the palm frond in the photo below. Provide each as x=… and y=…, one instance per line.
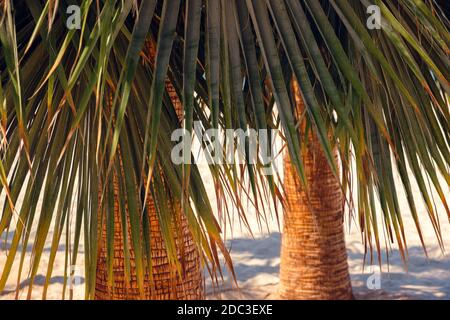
x=380, y=95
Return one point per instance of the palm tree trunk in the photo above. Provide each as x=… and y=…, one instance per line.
x=313, y=254
x=164, y=282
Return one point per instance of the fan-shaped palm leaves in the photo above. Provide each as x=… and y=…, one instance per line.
x=378, y=97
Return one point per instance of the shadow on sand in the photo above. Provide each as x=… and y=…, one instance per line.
x=424, y=278
x=39, y=280
x=257, y=262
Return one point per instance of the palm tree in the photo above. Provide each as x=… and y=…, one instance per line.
x=163, y=282
x=62, y=144
x=313, y=228
x=313, y=246
x=374, y=101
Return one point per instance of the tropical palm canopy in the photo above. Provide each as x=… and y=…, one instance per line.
x=86, y=116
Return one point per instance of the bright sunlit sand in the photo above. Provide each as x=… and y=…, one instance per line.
x=257, y=260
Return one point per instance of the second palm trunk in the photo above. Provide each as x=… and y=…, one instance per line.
x=313, y=254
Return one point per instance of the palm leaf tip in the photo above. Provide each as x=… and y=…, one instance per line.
x=81, y=107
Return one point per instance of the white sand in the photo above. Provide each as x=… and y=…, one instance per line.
x=257, y=263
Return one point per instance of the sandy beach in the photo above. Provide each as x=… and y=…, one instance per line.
x=116, y=115
x=257, y=260
x=257, y=265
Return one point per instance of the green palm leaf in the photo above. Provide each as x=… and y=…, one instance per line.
x=379, y=96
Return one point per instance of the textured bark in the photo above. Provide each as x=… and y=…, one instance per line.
x=313, y=254
x=164, y=282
